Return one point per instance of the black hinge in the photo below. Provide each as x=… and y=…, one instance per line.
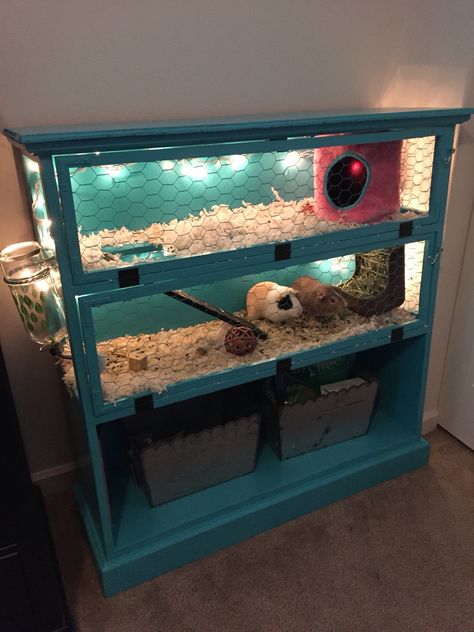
x=143, y=403
x=396, y=334
x=283, y=366
x=128, y=277
x=283, y=251
x=406, y=229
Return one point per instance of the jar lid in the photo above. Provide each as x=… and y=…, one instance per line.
x=20, y=250
x=24, y=275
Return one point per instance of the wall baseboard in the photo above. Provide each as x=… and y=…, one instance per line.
x=430, y=421
x=59, y=470
x=56, y=479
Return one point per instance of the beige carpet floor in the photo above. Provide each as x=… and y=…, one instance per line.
x=395, y=558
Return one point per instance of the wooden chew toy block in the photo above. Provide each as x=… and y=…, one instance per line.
x=137, y=361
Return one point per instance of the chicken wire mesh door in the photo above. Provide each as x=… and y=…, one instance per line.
x=158, y=206
x=174, y=342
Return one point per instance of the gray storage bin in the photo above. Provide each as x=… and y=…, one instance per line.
x=294, y=429
x=182, y=464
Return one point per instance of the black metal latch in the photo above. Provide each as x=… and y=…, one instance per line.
x=406, y=229
x=396, y=334
x=283, y=251
x=128, y=277
x=283, y=366
x=143, y=403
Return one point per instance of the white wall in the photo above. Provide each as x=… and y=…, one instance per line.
x=437, y=68
x=121, y=60
x=73, y=62
x=457, y=392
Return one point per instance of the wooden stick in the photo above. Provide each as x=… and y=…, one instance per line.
x=217, y=312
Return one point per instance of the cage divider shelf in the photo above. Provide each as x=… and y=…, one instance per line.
x=213, y=266
x=131, y=541
x=240, y=375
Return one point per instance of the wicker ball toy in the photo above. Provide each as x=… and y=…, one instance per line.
x=240, y=341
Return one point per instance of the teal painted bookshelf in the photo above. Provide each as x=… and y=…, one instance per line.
x=134, y=213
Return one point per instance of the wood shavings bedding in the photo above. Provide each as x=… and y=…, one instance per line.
x=190, y=352
x=220, y=229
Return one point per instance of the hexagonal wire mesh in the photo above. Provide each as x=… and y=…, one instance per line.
x=151, y=342
x=140, y=212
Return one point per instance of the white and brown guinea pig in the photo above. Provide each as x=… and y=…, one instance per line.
x=274, y=302
x=318, y=299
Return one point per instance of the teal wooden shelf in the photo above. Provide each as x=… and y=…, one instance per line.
x=92, y=137
x=72, y=177
x=176, y=272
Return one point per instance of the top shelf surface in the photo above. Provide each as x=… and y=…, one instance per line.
x=118, y=135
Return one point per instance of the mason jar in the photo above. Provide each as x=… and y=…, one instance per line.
x=33, y=284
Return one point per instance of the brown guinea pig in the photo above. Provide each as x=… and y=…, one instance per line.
x=318, y=299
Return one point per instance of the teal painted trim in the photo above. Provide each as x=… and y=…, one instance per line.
x=441, y=170
x=418, y=406
x=313, y=250
x=75, y=339
x=224, y=149
x=62, y=255
x=61, y=139
x=92, y=528
x=91, y=356
x=69, y=220
x=370, y=340
x=431, y=301
x=267, y=511
x=178, y=272
x=428, y=282
x=92, y=364
x=227, y=378
x=433, y=268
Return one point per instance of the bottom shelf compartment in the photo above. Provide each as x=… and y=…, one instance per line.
x=271, y=481
x=149, y=541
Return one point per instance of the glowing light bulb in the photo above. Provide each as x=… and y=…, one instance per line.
x=32, y=166
x=238, y=162
x=44, y=235
x=196, y=171
x=43, y=285
x=113, y=170
x=291, y=159
x=167, y=165
x=356, y=168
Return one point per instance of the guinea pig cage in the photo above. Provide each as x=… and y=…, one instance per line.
x=223, y=295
